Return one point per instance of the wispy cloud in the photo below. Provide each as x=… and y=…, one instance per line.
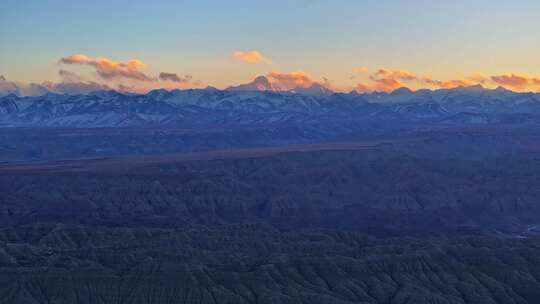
x=360, y=70
x=163, y=76
x=109, y=69
x=126, y=76
x=393, y=74
x=251, y=57
x=79, y=87
x=448, y=84
x=68, y=76
x=73, y=83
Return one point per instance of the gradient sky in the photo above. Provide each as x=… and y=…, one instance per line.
x=444, y=40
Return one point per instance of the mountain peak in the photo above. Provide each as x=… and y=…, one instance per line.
x=401, y=91
x=472, y=88
x=211, y=88
x=315, y=89
x=501, y=89
x=261, y=83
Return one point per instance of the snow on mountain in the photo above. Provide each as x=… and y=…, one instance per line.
x=314, y=89
x=198, y=107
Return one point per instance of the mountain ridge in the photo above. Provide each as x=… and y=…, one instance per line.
x=197, y=107
x=260, y=83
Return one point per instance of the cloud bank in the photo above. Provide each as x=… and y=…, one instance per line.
x=131, y=76
x=517, y=82
x=388, y=80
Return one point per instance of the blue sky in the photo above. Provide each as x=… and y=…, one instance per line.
x=444, y=40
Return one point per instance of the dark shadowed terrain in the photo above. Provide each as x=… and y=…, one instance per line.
x=221, y=197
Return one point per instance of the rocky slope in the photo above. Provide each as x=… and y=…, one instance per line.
x=346, y=226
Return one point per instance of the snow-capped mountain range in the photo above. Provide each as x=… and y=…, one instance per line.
x=257, y=104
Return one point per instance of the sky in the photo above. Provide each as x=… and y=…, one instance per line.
x=365, y=45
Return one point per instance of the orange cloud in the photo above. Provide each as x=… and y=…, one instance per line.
x=511, y=81
x=517, y=82
x=109, y=69
x=449, y=84
x=251, y=57
x=478, y=78
x=456, y=83
x=387, y=80
x=289, y=81
x=380, y=85
x=129, y=75
x=394, y=74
